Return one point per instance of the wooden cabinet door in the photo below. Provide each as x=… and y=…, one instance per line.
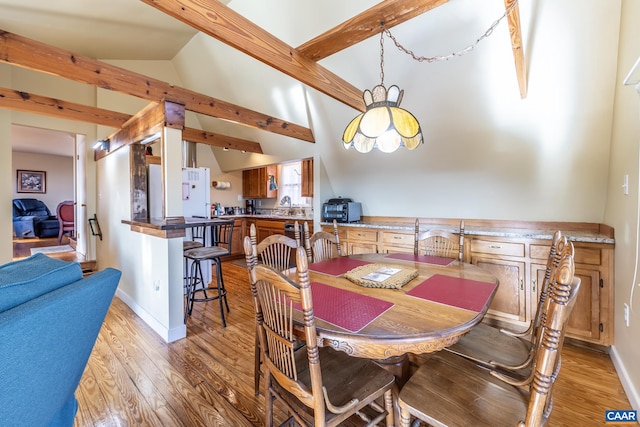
x=584, y=322
x=237, y=238
x=307, y=178
x=510, y=301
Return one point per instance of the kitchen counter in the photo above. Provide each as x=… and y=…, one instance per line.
x=471, y=230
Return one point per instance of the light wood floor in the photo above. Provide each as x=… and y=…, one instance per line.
x=133, y=378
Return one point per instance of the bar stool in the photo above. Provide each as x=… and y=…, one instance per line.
x=221, y=238
x=197, y=241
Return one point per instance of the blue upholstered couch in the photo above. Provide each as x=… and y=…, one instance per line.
x=50, y=317
x=32, y=218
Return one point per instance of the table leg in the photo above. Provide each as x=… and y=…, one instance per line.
x=399, y=367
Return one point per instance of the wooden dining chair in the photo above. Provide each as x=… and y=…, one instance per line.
x=322, y=246
x=317, y=386
x=437, y=242
x=448, y=390
x=507, y=350
x=274, y=251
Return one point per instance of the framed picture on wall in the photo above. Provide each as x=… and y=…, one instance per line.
x=32, y=181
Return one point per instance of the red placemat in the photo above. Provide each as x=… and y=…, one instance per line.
x=463, y=293
x=336, y=266
x=426, y=259
x=346, y=309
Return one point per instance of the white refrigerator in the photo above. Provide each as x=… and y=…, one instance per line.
x=196, y=201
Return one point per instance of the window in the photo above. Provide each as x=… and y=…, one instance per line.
x=291, y=183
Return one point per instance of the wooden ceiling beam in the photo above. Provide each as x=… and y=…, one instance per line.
x=217, y=140
x=30, y=103
x=224, y=24
x=365, y=25
x=515, y=33
x=23, y=52
x=35, y=104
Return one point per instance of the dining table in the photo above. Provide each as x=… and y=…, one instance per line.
x=429, y=312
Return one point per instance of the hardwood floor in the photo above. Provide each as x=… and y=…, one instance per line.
x=133, y=378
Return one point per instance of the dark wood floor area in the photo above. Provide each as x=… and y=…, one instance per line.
x=135, y=379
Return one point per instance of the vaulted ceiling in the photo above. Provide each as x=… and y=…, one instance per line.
x=43, y=36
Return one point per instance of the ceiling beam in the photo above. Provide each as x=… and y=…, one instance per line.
x=365, y=25
x=224, y=24
x=217, y=140
x=515, y=34
x=23, y=52
x=30, y=103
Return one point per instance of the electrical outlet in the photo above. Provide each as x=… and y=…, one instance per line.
x=626, y=315
x=156, y=285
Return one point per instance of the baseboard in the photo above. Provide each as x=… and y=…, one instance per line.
x=628, y=386
x=168, y=335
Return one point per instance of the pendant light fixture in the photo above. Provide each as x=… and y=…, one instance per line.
x=384, y=125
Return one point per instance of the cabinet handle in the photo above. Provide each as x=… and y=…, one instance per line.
x=495, y=246
x=397, y=237
x=521, y=285
x=533, y=282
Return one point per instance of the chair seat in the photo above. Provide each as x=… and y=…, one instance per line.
x=344, y=378
x=190, y=244
x=453, y=391
x=206, y=252
x=505, y=350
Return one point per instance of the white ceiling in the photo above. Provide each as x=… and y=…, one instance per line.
x=118, y=29
x=45, y=141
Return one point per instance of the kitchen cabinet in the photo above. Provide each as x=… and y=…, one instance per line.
x=520, y=265
x=519, y=262
x=591, y=319
x=395, y=242
x=306, y=189
x=255, y=183
x=505, y=261
x=265, y=227
x=237, y=238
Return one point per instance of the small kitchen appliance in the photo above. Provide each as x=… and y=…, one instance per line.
x=342, y=210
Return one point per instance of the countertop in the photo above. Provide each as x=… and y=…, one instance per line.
x=541, y=234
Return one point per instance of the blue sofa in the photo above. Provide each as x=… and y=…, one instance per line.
x=32, y=218
x=50, y=317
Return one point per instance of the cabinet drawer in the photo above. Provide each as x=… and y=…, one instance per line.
x=276, y=225
x=497, y=248
x=366, y=235
x=342, y=234
x=398, y=239
x=591, y=256
x=540, y=251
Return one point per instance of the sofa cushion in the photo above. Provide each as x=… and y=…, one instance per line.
x=28, y=278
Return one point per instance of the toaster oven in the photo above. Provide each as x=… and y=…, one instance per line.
x=342, y=210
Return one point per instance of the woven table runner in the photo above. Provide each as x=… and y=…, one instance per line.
x=381, y=275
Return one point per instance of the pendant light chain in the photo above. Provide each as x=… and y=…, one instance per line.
x=454, y=54
x=382, y=56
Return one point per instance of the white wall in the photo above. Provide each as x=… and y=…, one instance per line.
x=487, y=153
x=622, y=210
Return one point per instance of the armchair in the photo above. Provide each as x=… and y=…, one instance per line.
x=32, y=218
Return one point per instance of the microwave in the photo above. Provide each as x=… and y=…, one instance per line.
x=342, y=210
